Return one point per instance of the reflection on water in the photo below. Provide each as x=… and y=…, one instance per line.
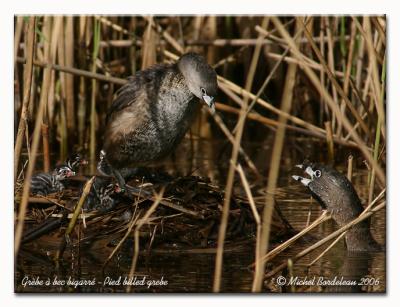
x=177, y=270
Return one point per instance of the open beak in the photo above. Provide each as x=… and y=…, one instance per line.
x=308, y=170
x=209, y=100
x=117, y=188
x=70, y=173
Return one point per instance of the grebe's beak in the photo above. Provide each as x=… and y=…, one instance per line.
x=209, y=100
x=309, y=170
x=70, y=173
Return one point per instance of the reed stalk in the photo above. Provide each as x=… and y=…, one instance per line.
x=333, y=106
x=329, y=142
x=30, y=47
x=81, y=112
x=331, y=63
x=17, y=36
x=93, y=115
x=32, y=162
x=46, y=147
x=257, y=219
x=275, y=163
x=149, y=48
x=378, y=132
x=337, y=88
x=61, y=88
x=69, y=79
x=347, y=72
x=350, y=168
x=227, y=199
x=376, y=88
x=231, y=171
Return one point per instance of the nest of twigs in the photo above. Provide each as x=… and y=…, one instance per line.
x=186, y=218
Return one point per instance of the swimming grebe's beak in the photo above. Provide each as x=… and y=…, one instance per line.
x=306, y=167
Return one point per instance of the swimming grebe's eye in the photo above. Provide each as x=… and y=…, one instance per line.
x=203, y=91
x=317, y=173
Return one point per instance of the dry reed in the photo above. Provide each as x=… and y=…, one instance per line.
x=275, y=163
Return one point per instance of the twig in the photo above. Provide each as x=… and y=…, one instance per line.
x=158, y=198
x=327, y=249
x=239, y=90
x=114, y=26
x=71, y=225
x=167, y=203
x=280, y=248
x=167, y=36
x=132, y=223
x=77, y=72
x=218, y=120
x=375, y=200
x=270, y=122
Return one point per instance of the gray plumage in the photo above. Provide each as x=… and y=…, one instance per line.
x=74, y=162
x=336, y=194
x=152, y=112
x=103, y=195
x=47, y=183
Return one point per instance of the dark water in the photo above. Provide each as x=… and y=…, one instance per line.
x=178, y=269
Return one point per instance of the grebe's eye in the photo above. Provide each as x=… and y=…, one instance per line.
x=317, y=173
x=203, y=91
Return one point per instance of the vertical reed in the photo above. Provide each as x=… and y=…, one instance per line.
x=81, y=113
x=69, y=79
x=61, y=89
x=30, y=47
x=34, y=150
x=17, y=36
x=149, y=47
x=47, y=90
x=332, y=104
x=231, y=174
x=275, y=160
x=329, y=141
x=93, y=115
